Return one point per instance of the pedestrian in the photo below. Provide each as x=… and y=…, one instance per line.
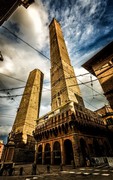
x=93, y=162
x=10, y=171
x=1, y=171
x=87, y=162
x=34, y=167
x=21, y=171
x=48, y=168
x=61, y=167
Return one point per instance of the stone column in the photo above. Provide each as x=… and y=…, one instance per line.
x=43, y=147
x=36, y=151
x=62, y=151
x=52, y=160
x=76, y=150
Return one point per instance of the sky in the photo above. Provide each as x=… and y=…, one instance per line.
x=87, y=26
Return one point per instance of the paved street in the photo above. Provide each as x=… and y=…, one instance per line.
x=68, y=173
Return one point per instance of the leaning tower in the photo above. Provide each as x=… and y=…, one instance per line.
x=20, y=141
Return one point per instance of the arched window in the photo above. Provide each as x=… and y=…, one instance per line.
x=68, y=151
x=56, y=153
x=47, y=154
x=39, y=155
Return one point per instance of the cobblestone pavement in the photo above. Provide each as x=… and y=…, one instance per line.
x=68, y=173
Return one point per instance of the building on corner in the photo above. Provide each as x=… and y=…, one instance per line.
x=69, y=133
x=101, y=66
x=8, y=7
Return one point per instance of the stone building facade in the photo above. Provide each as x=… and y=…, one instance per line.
x=70, y=133
x=101, y=66
x=21, y=144
x=106, y=113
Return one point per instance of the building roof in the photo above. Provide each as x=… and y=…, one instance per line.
x=102, y=54
x=7, y=7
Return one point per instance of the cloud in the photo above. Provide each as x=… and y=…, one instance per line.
x=5, y=130
x=45, y=109
x=31, y=24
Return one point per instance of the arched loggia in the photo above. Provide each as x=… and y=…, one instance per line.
x=47, y=154
x=68, y=151
x=56, y=153
x=96, y=148
x=39, y=155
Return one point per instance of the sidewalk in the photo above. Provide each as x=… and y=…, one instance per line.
x=68, y=173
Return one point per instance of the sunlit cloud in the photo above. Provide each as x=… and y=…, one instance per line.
x=4, y=130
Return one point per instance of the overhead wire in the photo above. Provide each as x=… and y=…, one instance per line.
x=9, y=89
x=33, y=49
x=12, y=77
x=6, y=115
x=82, y=83
x=43, y=56
x=90, y=104
x=25, y=42
x=90, y=88
x=30, y=46
x=13, y=96
x=46, y=82
x=76, y=84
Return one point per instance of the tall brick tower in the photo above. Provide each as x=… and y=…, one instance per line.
x=64, y=86
x=28, y=110
x=21, y=136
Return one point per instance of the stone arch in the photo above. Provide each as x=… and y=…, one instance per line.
x=56, y=153
x=47, y=154
x=102, y=147
x=68, y=150
x=96, y=147
x=39, y=155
